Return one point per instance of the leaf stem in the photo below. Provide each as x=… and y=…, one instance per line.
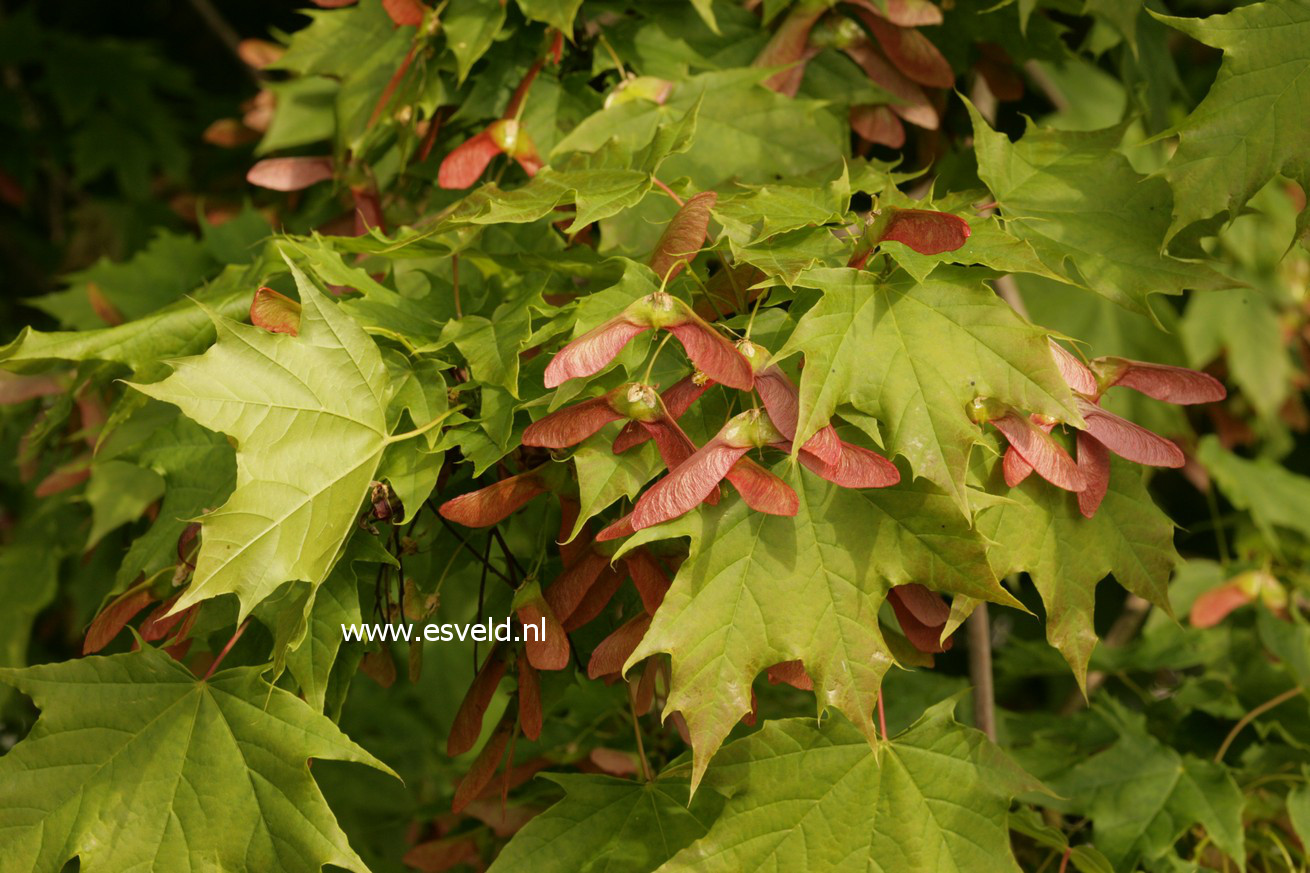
x=650, y=365
x=667, y=190
x=636, y=732
x=1252, y=716
x=882, y=716
x=418, y=431
x=227, y=648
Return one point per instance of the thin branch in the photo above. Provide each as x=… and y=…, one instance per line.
x=636, y=732
x=1252, y=716
x=482, y=593
x=511, y=561
x=980, y=671
x=226, y=34
x=463, y=542
x=669, y=191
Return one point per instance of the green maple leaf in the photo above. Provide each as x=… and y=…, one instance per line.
x=308, y=414
x=1088, y=214
x=759, y=589
x=1142, y=796
x=615, y=825
x=913, y=354
x=807, y=798
x=1041, y=531
x=136, y=765
x=1255, y=122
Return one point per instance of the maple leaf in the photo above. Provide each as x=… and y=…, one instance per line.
x=1088, y=214
x=1255, y=121
x=216, y=771
x=308, y=414
x=807, y=588
x=808, y=798
x=1042, y=531
x=914, y=355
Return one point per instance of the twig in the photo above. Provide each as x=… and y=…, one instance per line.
x=482, y=593
x=980, y=671
x=226, y=34
x=1125, y=627
x=511, y=561
x=636, y=732
x=223, y=654
x=1252, y=716
x=472, y=551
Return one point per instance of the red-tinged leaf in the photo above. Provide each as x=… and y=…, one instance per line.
x=648, y=577
x=1214, y=605
x=912, y=53
x=761, y=490
x=259, y=53
x=688, y=484
x=437, y=856
x=405, y=13
x=998, y=69
x=572, y=551
x=380, y=667
x=927, y=232
x=790, y=45
x=467, y=726
x=914, y=105
x=1015, y=468
x=158, y=624
x=923, y=603
x=922, y=616
x=572, y=424
x=1128, y=440
x=674, y=445
x=1094, y=461
x=102, y=306
x=683, y=237
x=906, y=13
x=644, y=698
x=591, y=352
x=680, y=725
x=613, y=652
x=782, y=403
x=504, y=821
x=20, y=389
x=749, y=718
x=612, y=761
x=290, y=174
x=529, y=700
x=790, y=673
x=1045, y=455
x=65, y=477
x=495, y=503
x=568, y=589
x=857, y=467
x=713, y=355
x=551, y=651
x=465, y=163
x=1076, y=374
x=275, y=312
x=598, y=597
x=617, y=530
x=368, y=210
x=114, y=617
x=878, y=124
x=484, y=767
x=1161, y=381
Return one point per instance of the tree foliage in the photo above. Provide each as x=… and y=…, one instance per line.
x=751, y=350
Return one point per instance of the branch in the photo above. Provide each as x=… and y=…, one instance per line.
x=980, y=671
